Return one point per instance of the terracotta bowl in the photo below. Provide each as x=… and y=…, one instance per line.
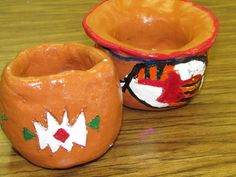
x=159, y=47
x=62, y=104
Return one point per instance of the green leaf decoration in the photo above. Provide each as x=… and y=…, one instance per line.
x=3, y=117
x=95, y=122
x=28, y=135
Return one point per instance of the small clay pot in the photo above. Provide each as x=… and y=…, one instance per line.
x=62, y=104
x=159, y=47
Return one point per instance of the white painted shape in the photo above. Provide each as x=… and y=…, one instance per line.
x=53, y=144
x=41, y=131
x=46, y=138
x=80, y=128
x=77, y=132
x=122, y=84
x=65, y=120
x=147, y=93
x=190, y=69
x=53, y=125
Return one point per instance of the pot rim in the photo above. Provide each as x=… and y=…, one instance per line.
x=8, y=69
x=200, y=48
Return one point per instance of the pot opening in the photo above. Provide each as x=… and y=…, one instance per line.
x=52, y=59
x=152, y=29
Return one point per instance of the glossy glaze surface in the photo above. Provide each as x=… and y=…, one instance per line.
x=62, y=103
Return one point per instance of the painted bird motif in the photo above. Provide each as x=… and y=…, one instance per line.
x=166, y=84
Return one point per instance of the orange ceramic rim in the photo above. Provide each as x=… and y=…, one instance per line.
x=200, y=48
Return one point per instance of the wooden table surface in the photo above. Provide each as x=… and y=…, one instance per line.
x=196, y=140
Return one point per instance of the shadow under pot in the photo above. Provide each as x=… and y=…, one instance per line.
x=159, y=48
x=62, y=104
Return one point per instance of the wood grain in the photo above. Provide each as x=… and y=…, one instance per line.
x=196, y=140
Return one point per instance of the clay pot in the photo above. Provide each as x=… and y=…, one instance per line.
x=159, y=47
x=62, y=104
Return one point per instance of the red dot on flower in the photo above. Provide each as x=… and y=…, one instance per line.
x=61, y=135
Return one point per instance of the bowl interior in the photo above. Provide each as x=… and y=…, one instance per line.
x=54, y=59
x=162, y=26
x=150, y=34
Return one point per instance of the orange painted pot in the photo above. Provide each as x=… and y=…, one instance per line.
x=159, y=47
x=62, y=104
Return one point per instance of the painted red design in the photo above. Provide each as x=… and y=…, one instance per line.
x=172, y=91
x=61, y=135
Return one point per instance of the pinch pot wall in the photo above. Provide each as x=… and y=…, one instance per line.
x=159, y=48
x=27, y=94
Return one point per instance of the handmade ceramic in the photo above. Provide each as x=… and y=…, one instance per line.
x=159, y=47
x=62, y=104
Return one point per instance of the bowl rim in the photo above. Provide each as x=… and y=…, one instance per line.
x=200, y=48
x=8, y=70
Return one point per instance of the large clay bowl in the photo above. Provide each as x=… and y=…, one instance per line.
x=159, y=47
x=61, y=104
